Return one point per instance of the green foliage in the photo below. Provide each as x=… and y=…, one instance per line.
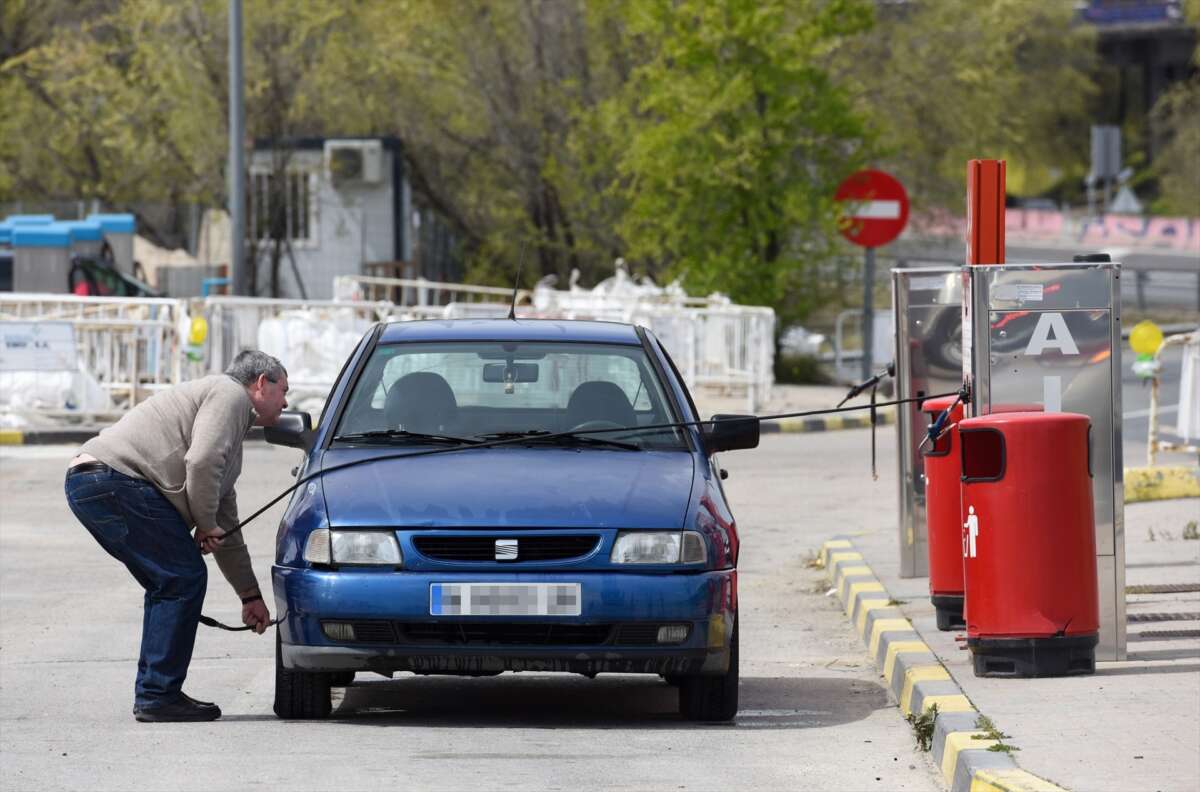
x=990, y=732
x=134, y=95
x=1177, y=116
x=799, y=370
x=954, y=80
x=923, y=725
x=700, y=139
x=738, y=140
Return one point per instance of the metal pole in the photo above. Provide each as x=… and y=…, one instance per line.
x=237, y=165
x=1152, y=434
x=868, y=317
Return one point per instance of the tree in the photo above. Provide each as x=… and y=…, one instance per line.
x=948, y=81
x=1177, y=113
x=737, y=140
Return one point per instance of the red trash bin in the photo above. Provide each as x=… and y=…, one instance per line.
x=942, y=515
x=1029, y=544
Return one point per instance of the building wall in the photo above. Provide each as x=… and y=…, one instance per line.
x=353, y=223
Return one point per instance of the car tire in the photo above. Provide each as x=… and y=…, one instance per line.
x=712, y=698
x=299, y=694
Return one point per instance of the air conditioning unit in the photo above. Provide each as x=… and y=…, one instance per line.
x=353, y=161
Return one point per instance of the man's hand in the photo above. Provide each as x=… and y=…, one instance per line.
x=256, y=615
x=208, y=541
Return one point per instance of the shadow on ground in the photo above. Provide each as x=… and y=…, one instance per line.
x=613, y=702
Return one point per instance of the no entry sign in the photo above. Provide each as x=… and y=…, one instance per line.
x=876, y=208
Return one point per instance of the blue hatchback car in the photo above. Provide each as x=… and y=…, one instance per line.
x=455, y=523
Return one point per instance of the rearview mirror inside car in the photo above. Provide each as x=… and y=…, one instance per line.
x=510, y=372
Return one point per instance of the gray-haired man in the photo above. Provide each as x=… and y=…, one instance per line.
x=142, y=485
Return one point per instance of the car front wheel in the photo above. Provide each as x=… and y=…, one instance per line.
x=299, y=694
x=712, y=698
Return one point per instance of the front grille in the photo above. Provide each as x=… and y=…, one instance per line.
x=483, y=548
x=504, y=633
x=637, y=634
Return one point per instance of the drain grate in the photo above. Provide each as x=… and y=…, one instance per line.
x=1163, y=588
x=1161, y=617
x=1150, y=635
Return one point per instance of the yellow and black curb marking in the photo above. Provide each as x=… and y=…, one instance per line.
x=70, y=436
x=46, y=437
x=1161, y=482
x=918, y=680
x=828, y=423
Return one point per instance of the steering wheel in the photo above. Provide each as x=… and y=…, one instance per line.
x=598, y=424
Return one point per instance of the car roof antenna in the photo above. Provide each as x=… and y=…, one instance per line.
x=512, y=308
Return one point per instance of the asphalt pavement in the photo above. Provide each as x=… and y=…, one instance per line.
x=815, y=714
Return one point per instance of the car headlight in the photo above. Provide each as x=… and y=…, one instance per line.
x=659, y=547
x=325, y=546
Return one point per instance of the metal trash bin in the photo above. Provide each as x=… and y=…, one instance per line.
x=1029, y=544
x=41, y=258
x=942, y=512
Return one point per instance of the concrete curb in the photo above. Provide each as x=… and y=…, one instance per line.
x=71, y=436
x=1161, y=483
x=828, y=423
x=46, y=436
x=918, y=681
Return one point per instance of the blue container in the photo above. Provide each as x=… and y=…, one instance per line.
x=85, y=230
x=49, y=235
x=115, y=223
x=29, y=219
x=6, y=233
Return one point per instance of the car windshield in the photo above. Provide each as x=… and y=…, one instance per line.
x=482, y=390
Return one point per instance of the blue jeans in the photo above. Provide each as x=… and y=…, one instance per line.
x=139, y=527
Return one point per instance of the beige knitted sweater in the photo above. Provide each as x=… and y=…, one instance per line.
x=187, y=442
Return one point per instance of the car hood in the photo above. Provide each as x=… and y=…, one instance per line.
x=513, y=487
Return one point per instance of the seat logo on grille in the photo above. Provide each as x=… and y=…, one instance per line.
x=506, y=549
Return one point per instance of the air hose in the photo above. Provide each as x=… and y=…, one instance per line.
x=627, y=431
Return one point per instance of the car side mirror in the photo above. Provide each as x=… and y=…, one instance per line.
x=293, y=429
x=731, y=432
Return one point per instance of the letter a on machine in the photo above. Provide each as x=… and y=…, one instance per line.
x=1051, y=333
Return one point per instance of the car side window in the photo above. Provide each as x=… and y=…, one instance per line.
x=679, y=377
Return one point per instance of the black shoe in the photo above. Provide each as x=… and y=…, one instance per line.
x=187, y=698
x=181, y=710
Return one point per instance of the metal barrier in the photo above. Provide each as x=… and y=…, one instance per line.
x=721, y=349
x=1153, y=444
x=236, y=323
x=418, y=291
x=133, y=346
x=130, y=347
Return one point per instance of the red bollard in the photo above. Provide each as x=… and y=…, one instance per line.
x=1029, y=544
x=942, y=516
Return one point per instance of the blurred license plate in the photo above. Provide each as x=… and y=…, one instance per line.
x=504, y=599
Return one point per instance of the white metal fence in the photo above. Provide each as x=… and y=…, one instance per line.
x=129, y=347
x=126, y=348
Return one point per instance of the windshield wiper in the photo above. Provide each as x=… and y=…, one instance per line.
x=556, y=438
x=401, y=434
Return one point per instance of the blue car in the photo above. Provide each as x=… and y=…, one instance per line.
x=509, y=495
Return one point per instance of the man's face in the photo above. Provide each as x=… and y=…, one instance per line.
x=269, y=399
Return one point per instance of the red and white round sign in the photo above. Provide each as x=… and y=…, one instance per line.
x=875, y=208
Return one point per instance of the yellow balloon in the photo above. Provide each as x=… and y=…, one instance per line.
x=1145, y=338
x=198, y=331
